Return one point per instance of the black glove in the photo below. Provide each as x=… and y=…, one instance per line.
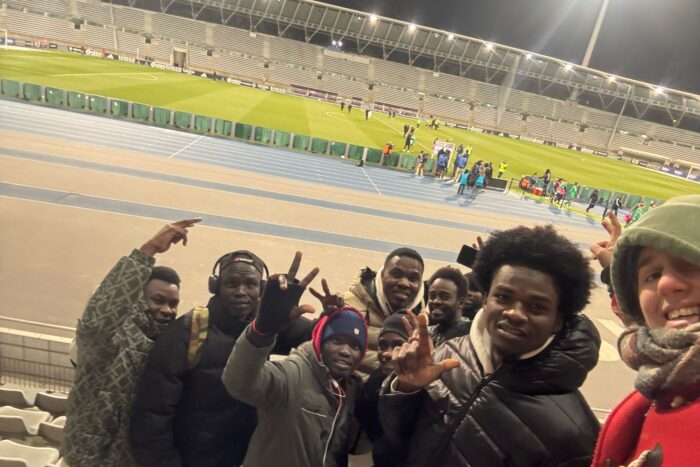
x=275, y=307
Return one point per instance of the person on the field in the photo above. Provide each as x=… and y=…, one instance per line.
x=392, y=335
x=593, y=199
x=183, y=415
x=474, y=299
x=398, y=285
x=488, y=173
x=546, y=179
x=447, y=289
x=508, y=392
x=502, y=167
x=405, y=129
x=460, y=163
x=342, y=105
x=305, y=401
x=125, y=315
x=617, y=204
x=656, y=279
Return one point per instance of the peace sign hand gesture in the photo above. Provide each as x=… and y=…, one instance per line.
x=328, y=300
x=281, y=298
x=602, y=251
x=413, y=361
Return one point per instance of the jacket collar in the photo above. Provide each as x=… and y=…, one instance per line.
x=560, y=365
x=224, y=321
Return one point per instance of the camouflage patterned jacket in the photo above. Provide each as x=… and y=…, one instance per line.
x=114, y=337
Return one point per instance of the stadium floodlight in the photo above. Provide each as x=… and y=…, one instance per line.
x=334, y=42
x=488, y=45
x=340, y=43
x=372, y=18
x=411, y=27
x=612, y=78
x=659, y=90
x=568, y=67
x=529, y=56
x=450, y=37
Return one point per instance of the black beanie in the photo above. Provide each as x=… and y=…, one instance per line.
x=394, y=324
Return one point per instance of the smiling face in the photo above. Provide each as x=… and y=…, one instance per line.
x=521, y=311
x=387, y=342
x=240, y=289
x=341, y=354
x=162, y=299
x=402, y=278
x=443, y=301
x=669, y=289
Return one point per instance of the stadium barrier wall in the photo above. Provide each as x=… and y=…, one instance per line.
x=35, y=360
x=629, y=200
x=145, y=113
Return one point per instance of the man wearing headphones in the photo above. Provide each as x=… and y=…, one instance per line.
x=183, y=415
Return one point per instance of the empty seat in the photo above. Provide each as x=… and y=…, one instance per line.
x=16, y=398
x=14, y=455
x=53, y=431
x=54, y=403
x=21, y=421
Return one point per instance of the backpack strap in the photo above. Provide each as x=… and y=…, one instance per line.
x=198, y=335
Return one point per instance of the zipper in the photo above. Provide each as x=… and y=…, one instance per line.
x=448, y=438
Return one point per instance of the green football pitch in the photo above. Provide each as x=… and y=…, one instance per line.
x=219, y=99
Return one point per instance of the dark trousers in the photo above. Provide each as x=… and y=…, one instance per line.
x=460, y=190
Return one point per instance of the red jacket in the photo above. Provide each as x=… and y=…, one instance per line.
x=638, y=424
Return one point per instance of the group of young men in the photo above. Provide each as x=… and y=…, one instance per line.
x=481, y=369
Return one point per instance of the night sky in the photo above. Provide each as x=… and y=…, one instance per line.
x=657, y=41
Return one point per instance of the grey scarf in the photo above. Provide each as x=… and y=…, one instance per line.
x=666, y=359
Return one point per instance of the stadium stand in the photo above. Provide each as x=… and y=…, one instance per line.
x=129, y=18
x=53, y=6
x=99, y=14
x=238, y=66
x=17, y=455
x=21, y=421
x=227, y=38
x=173, y=26
x=98, y=37
x=242, y=54
x=53, y=431
x=452, y=109
x=131, y=44
x=16, y=397
x=55, y=404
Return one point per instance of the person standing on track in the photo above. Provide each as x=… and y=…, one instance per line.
x=125, y=316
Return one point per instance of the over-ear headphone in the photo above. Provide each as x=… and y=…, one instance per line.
x=243, y=256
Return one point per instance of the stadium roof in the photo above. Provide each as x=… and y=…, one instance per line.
x=443, y=51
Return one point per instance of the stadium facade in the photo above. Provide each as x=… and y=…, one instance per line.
x=319, y=50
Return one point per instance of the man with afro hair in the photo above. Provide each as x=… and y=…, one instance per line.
x=507, y=393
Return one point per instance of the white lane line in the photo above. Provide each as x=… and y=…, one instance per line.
x=370, y=180
x=611, y=326
x=185, y=147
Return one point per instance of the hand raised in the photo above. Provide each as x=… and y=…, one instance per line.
x=328, y=300
x=281, y=298
x=169, y=235
x=413, y=361
x=602, y=251
x=291, y=275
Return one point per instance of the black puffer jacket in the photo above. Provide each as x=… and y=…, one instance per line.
x=186, y=417
x=526, y=413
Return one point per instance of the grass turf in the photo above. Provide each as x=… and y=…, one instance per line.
x=320, y=119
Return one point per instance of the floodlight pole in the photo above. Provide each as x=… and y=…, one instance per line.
x=594, y=34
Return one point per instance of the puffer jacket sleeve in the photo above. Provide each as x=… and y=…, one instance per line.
x=118, y=292
x=151, y=433
x=251, y=378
